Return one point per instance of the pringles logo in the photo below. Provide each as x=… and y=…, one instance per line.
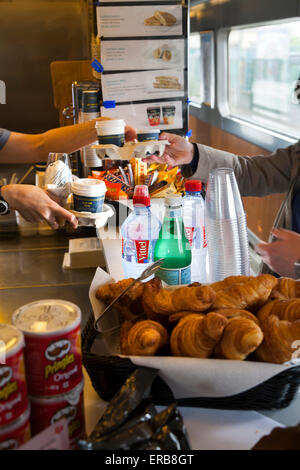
x=6, y=386
x=57, y=353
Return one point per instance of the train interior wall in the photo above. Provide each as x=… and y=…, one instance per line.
x=260, y=211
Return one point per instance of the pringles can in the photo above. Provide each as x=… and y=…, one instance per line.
x=52, y=352
x=13, y=390
x=46, y=411
x=16, y=433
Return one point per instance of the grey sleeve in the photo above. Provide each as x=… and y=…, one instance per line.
x=4, y=135
x=256, y=176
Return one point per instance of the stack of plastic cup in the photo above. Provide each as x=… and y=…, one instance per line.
x=226, y=226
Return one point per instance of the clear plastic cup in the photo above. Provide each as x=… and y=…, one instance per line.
x=226, y=226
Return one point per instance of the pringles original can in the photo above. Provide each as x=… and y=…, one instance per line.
x=52, y=345
x=46, y=411
x=13, y=390
x=15, y=434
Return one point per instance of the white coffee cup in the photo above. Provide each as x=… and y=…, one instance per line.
x=88, y=194
x=111, y=131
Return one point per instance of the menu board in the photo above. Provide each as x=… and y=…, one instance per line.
x=166, y=115
x=143, y=53
x=149, y=20
x=138, y=86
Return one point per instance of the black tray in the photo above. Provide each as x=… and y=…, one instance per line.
x=108, y=373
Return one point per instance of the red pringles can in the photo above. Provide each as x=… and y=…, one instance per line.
x=52, y=345
x=46, y=411
x=13, y=390
x=15, y=434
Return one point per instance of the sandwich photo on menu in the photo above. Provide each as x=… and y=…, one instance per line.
x=161, y=18
x=165, y=81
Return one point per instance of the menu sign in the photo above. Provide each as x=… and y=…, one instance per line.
x=149, y=20
x=143, y=54
x=166, y=115
x=138, y=86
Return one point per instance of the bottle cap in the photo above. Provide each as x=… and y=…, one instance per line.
x=193, y=185
x=141, y=195
x=173, y=201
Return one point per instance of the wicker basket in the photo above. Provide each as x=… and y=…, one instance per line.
x=108, y=373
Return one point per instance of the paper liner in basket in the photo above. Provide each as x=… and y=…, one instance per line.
x=188, y=377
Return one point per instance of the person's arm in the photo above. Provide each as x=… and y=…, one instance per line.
x=35, y=205
x=32, y=148
x=256, y=176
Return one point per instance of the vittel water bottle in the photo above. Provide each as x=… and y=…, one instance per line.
x=193, y=218
x=173, y=245
x=139, y=234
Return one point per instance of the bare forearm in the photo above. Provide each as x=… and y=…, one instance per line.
x=28, y=148
x=68, y=139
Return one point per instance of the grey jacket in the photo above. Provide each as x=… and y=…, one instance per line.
x=259, y=176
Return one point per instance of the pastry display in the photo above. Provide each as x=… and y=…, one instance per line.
x=241, y=317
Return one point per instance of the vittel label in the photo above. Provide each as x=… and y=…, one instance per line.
x=189, y=231
x=142, y=251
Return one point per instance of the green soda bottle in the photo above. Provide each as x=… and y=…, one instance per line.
x=173, y=246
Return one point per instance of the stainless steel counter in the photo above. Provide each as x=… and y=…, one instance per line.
x=31, y=269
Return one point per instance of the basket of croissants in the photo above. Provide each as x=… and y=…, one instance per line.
x=242, y=318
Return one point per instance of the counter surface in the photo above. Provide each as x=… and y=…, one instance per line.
x=31, y=269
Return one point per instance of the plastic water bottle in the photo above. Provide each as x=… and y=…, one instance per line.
x=173, y=245
x=193, y=218
x=139, y=234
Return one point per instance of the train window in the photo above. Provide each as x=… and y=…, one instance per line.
x=195, y=70
x=263, y=69
x=201, y=68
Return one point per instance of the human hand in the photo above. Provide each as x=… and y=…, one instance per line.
x=178, y=152
x=35, y=205
x=281, y=254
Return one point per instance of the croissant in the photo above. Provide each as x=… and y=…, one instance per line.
x=248, y=295
x=235, y=312
x=197, y=335
x=286, y=309
x=166, y=302
x=144, y=338
x=280, y=340
x=130, y=304
x=286, y=289
x=241, y=337
x=229, y=281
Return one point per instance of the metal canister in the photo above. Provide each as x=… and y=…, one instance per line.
x=52, y=352
x=90, y=104
x=16, y=433
x=13, y=390
x=46, y=411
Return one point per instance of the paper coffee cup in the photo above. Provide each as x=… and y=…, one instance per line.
x=88, y=194
x=147, y=134
x=111, y=132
